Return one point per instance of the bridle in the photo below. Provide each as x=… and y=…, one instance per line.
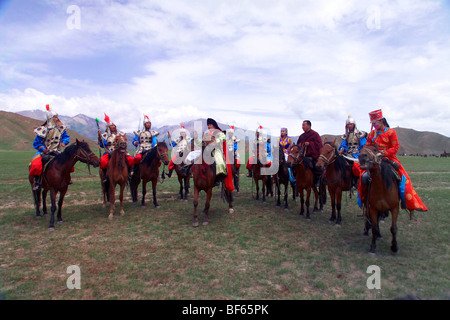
x=299, y=155
x=329, y=160
x=86, y=157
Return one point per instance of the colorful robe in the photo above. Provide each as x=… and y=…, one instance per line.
x=388, y=141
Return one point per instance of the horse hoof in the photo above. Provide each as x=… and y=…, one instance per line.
x=205, y=223
x=51, y=228
x=110, y=217
x=231, y=210
x=122, y=213
x=38, y=217
x=195, y=224
x=337, y=225
x=60, y=221
x=157, y=207
x=372, y=254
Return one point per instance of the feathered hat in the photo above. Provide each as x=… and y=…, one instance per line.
x=231, y=129
x=50, y=113
x=183, y=129
x=146, y=119
x=350, y=120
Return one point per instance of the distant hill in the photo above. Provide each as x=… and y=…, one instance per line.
x=411, y=141
x=18, y=132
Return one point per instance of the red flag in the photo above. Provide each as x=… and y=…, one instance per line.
x=107, y=119
x=47, y=107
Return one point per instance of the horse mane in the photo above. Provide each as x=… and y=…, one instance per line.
x=387, y=174
x=148, y=159
x=67, y=153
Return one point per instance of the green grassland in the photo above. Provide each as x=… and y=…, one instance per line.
x=258, y=252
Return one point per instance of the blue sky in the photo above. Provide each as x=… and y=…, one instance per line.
x=245, y=63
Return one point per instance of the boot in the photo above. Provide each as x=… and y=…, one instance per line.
x=170, y=173
x=36, y=185
x=185, y=169
x=250, y=173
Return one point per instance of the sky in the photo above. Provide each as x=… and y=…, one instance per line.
x=241, y=62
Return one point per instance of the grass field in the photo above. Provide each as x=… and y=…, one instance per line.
x=258, y=252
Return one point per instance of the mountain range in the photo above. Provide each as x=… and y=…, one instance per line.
x=19, y=132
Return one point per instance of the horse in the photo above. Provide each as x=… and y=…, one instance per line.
x=382, y=194
x=117, y=174
x=256, y=172
x=204, y=176
x=56, y=177
x=282, y=178
x=148, y=170
x=338, y=175
x=304, y=178
x=184, y=177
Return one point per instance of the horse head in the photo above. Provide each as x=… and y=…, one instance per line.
x=84, y=154
x=121, y=142
x=294, y=155
x=368, y=156
x=327, y=154
x=162, y=151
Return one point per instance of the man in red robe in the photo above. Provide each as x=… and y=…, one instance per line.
x=388, y=144
x=311, y=140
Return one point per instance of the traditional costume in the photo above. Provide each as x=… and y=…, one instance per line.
x=232, y=145
x=387, y=140
x=144, y=140
x=265, y=151
x=180, y=145
x=50, y=138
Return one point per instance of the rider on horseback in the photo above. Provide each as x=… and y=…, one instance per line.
x=232, y=144
x=387, y=141
x=144, y=139
x=353, y=141
x=312, y=143
x=179, y=145
x=284, y=143
x=51, y=136
x=106, y=141
x=266, y=154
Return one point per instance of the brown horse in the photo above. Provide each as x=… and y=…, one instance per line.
x=148, y=170
x=282, y=178
x=117, y=173
x=338, y=175
x=256, y=171
x=56, y=177
x=304, y=178
x=184, y=177
x=382, y=194
x=204, y=176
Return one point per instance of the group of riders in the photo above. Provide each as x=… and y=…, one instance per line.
x=52, y=137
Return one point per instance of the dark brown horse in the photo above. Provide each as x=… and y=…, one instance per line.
x=204, y=176
x=304, y=178
x=184, y=177
x=382, y=194
x=338, y=176
x=117, y=172
x=256, y=171
x=148, y=170
x=56, y=177
x=282, y=178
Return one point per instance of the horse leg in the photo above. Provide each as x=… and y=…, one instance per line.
x=207, y=204
x=44, y=202
x=37, y=202
x=112, y=199
x=375, y=230
x=195, y=222
x=286, y=187
x=230, y=201
x=277, y=184
x=302, y=201
x=51, y=226
x=338, y=205
x=394, y=212
x=62, y=193
x=257, y=189
x=308, y=195
x=236, y=179
x=186, y=188
x=333, y=205
x=144, y=192
x=264, y=190
x=155, y=202
x=180, y=181
x=122, y=188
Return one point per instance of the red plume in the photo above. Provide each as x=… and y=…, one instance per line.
x=182, y=126
x=107, y=120
x=47, y=107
